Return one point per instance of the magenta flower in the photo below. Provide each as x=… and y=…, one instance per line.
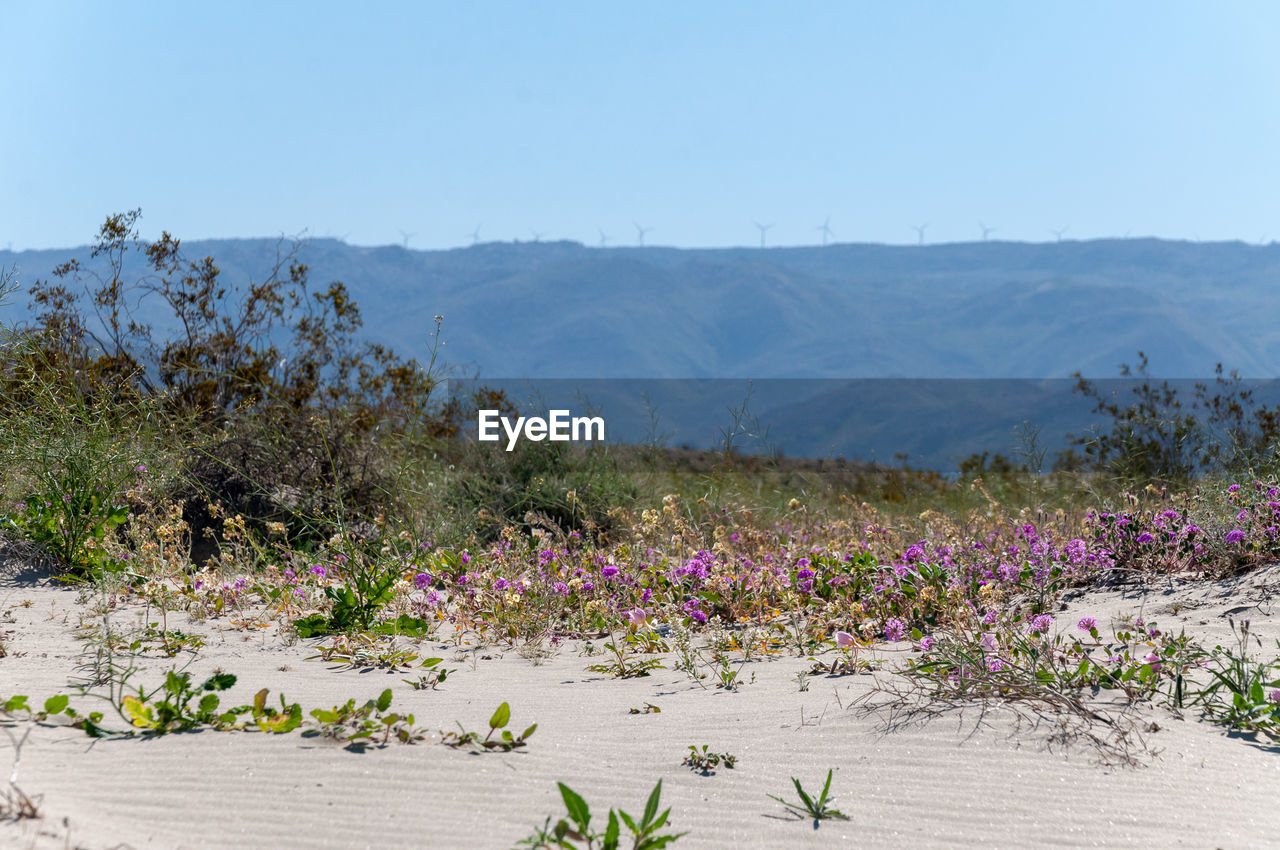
x=895, y=629
x=637, y=616
x=844, y=639
x=1087, y=624
x=988, y=642
x=927, y=644
x=1041, y=624
x=1145, y=537
x=1235, y=535
x=1154, y=660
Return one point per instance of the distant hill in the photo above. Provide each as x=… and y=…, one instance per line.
x=970, y=310
x=986, y=310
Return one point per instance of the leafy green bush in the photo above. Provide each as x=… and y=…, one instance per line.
x=572, y=487
x=575, y=833
x=1162, y=437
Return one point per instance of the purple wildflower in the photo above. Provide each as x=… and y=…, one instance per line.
x=895, y=629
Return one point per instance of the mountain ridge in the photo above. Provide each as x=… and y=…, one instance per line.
x=991, y=309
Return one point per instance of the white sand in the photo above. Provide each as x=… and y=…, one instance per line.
x=965, y=779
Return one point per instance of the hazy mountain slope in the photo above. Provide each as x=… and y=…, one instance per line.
x=985, y=309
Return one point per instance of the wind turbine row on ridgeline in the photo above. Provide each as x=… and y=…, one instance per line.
x=824, y=229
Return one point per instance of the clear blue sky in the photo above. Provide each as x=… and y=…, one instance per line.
x=693, y=118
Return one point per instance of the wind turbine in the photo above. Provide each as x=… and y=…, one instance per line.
x=763, y=229
x=537, y=234
x=406, y=237
x=604, y=238
x=919, y=229
x=825, y=227
x=986, y=231
x=475, y=235
x=640, y=232
x=1060, y=233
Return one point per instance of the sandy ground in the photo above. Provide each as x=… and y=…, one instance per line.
x=966, y=778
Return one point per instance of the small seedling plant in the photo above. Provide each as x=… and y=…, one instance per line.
x=368, y=725
x=574, y=832
x=177, y=705
x=819, y=809
x=435, y=675
x=351, y=652
x=355, y=609
x=1244, y=693
x=505, y=742
x=623, y=666
x=705, y=762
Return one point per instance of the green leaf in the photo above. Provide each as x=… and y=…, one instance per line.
x=313, y=626
x=611, y=833
x=576, y=805
x=526, y=733
x=804, y=798
x=219, y=682
x=56, y=704
x=139, y=714
x=651, y=807
x=827, y=787
x=208, y=703
x=384, y=700
x=500, y=717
